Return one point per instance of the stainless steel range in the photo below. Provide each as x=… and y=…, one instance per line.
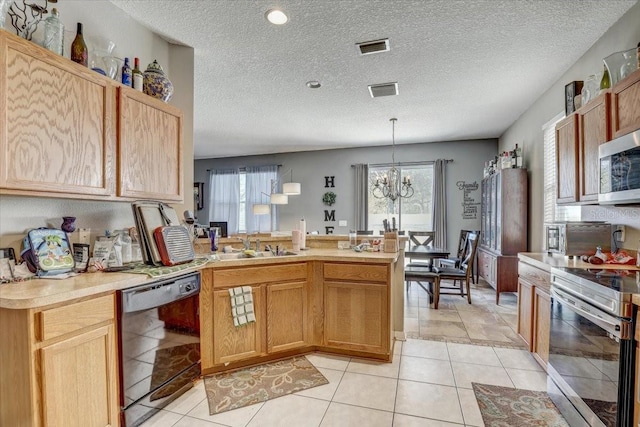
x=591, y=354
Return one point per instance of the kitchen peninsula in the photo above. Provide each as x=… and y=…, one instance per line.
x=54, y=331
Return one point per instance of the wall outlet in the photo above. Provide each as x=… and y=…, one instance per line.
x=619, y=233
x=342, y=223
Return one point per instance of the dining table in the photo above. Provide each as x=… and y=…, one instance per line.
x=413, y=251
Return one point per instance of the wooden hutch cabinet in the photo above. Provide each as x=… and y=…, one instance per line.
x=504, y=228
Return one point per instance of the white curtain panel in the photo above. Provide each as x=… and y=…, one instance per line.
x=259, y=181
x=439, y=205
x=225, y=198
x=362, y=196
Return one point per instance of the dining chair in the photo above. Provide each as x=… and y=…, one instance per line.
x=454, y=262
x=421, y=275
x=462, y=274
x=420, y=238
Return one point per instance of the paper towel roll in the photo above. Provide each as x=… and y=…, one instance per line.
x=303, y=234
x=295, y=239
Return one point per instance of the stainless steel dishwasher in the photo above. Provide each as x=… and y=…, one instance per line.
x=158, y=344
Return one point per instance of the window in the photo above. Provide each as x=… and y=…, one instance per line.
x=553, y=212
x=413, y=213
x=233, y=194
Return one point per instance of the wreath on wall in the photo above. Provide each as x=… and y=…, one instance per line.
x=329, y=198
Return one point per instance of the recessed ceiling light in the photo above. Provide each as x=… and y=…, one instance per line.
x=313, y=84
x=276, y=16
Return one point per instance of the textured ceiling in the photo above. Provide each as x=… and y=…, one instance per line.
x=465, y=69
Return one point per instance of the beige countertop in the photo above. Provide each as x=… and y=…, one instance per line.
x=545, y=261
x=41, y=292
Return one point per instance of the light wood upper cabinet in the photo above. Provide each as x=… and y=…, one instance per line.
x=625, y=102
x=594, y=129
x=67, y=131
x=567, y=159
x=150, y=148
x=57, y=132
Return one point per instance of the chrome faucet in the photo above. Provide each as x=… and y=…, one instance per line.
x=246, y=242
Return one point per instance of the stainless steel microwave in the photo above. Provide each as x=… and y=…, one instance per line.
x=620, y=170
x=577, y=238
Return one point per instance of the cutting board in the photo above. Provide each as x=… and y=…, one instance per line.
x=149, y=216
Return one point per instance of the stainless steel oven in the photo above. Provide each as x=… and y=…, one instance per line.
x=159, y=345
x=591, y=346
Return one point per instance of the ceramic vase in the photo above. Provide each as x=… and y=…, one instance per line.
x=68, y=224
x=156, y=83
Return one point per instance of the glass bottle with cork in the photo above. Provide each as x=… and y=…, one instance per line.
x=79, y=51
x=137, y=77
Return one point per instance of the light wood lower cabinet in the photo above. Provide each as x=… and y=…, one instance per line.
x=534, y=310
x=300, y=306
x=287, y=316
x=79, y=381
x=356, y=316
x=280, y=300
x=357, y=307
x=232, y=343
x=541, y=325
x=63, y=365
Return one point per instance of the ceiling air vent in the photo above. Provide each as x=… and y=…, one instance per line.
x=374, y=46
x=383, y=89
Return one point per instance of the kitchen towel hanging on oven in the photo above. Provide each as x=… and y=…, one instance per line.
x=163, y=240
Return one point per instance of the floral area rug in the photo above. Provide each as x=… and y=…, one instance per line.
x=233, y=390
x=508, y=407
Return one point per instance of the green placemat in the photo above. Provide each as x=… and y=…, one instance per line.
x=157, y=271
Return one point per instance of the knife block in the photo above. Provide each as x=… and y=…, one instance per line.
x=391, y=242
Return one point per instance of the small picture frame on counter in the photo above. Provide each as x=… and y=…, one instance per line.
x=570, y=92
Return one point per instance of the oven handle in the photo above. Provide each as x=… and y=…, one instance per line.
x=616, y=327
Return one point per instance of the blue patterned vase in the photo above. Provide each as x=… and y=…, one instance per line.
x=156, y=83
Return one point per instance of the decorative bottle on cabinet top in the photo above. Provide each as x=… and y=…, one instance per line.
x=605, y=82
x=79, y=51
x=53, y=32
x=126, y=73
x=156, y=83
x=137, y=79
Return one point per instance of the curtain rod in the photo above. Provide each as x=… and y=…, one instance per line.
x=245, y=168
x=429, y=162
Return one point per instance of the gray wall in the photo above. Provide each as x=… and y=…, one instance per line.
x=310, y=168
x=527, y=131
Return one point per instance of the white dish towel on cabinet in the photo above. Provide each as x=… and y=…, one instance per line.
x=242, y=305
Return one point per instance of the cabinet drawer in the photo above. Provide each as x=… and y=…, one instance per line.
x=534, y=275
x=355, y=272
x=256, y=275
x=63, y=320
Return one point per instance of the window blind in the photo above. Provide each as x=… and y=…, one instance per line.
x=553, y=212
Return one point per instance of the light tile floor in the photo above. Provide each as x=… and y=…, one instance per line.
x=481, y=322
x=428, y=384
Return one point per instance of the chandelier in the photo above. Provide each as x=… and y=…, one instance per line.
x=391, y=186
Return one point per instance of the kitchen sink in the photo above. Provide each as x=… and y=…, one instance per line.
x=240, y=255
